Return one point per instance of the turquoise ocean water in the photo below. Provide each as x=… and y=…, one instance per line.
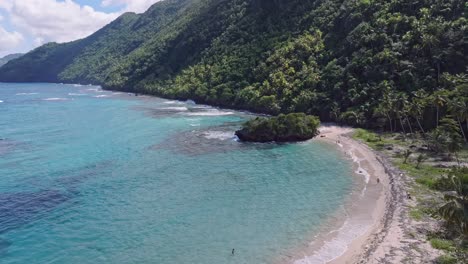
x=92, y=176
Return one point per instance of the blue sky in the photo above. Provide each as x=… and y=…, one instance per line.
x=97, y=5
x=27, y=24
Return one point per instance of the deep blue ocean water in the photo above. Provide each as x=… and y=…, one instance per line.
x=92, y=176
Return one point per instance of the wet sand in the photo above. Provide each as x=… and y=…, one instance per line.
x=373, y=226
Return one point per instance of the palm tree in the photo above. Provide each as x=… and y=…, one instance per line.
x=463, y=114
x=455, y=210
x=458, y=109
x=415, y=111
x=461, y=92
x=448, y=136
x=335, y=111
x=406, y=111
x=384, y=110
x=400, y=102
x=388, y=105
x=417, y=107
x=439, y=100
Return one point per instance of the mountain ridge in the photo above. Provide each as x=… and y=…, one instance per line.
x=332, y=58
x=9, y=57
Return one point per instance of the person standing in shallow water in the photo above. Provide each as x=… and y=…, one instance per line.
x=233, y=252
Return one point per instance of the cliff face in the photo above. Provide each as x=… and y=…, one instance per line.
x=334, y=58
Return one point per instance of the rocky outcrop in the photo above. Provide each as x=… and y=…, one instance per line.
x=283, y=128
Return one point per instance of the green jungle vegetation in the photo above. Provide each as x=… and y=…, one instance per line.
x=283, y=128
x=370, y=63
x=438, y=164
x=9, y=57
x=398, y=66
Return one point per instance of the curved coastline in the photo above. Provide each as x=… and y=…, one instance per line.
x=349, y=241
x=359, y=237
x=368, y=211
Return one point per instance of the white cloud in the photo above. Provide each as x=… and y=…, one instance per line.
x=5, y=4
x=50, y=20
x=137, y=6
x=35, y=22
x=9, y=40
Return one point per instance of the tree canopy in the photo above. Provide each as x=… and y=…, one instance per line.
x=9, y=57
x=399, y=65
x=283, y=128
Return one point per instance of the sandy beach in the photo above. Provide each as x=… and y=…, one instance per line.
x=377, y=228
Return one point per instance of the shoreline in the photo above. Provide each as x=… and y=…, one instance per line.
x=385, y=238
x=389, y=235
x=368, y=210
x=367, y=221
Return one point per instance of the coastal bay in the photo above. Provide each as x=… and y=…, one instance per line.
x=102, y=175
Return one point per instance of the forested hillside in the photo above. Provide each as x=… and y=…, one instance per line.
x=398, y=64
x=9, y=57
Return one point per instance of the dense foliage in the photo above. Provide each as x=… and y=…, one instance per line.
x=455, y=210
x=283, y=128
x=9, y=57
x=399, y=64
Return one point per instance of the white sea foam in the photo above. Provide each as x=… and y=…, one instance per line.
x=175, y=108
x=221, y=135
x=1, y=101
x=172, y=102
x=101, y=96
x=26, y=93
x=55, y=99
x=77, y=94
x=93, y=89
x=211, y=112
x=367, y=177
x=202, y=107
x=349, y=231
x=77, y=85
x=354, y=227
x=361, y=171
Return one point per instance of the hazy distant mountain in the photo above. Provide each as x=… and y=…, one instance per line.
x=9, y=57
